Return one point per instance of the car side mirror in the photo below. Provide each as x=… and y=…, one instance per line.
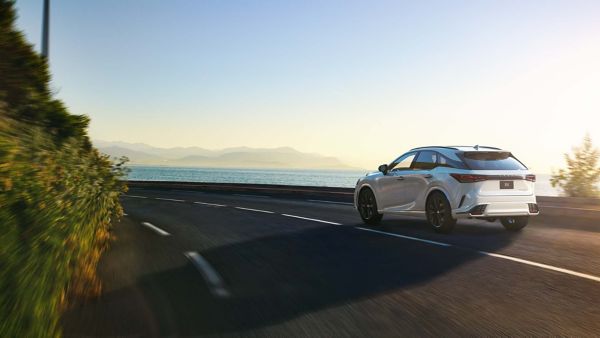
x=383, y=168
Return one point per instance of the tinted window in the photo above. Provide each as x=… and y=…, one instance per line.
x=450, y=163
x=491, y=160
x=426, y=160
x=403, y=162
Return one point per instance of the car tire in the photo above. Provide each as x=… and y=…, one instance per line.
x=439, y=213
x=367, y=207
x=514, y=223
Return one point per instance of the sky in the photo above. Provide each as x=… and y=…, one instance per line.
x=363, y=81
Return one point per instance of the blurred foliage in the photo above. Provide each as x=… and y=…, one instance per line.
x=582, y=174
x=58, y=195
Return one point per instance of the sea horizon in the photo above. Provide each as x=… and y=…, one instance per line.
x=334, y=178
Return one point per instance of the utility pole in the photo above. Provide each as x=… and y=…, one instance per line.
x=46, y=29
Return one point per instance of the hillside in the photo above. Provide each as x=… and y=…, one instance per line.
x=238, y=157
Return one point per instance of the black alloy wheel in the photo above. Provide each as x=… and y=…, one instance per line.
x=439, y=213
x=367, y=207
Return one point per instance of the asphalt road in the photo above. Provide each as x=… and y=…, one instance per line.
x=195, y=264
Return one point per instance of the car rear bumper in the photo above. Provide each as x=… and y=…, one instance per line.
x=498, y=206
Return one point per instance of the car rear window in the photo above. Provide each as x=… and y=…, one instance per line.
x=444, y=161
x=491, y=160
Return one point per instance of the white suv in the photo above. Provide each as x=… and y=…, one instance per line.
x=447, y=183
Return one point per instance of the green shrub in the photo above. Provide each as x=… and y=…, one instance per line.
x=581, y=177
x=58, y=195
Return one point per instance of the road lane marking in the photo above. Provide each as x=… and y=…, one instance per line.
x=311, y=219
x=557, y=207
x=247, y=195
x=168, y=199
x=211, y=276
x=405, y=237
x=331, y=202
x=156, y=229
x=543, y=266
x=257, y=210
x=491, y=254
x=135, y=196
x=210, y=204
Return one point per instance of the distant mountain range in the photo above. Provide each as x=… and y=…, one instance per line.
x=239, y=157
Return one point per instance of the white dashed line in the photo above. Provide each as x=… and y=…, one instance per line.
x=210, y=204
x=257, y=210
x=543, y=266
x=332, y=202
x=156, y=229
x=491, y=254
x=405, y=237
x=569, y=208
x=212, y=278
x=216, y=285
x=168, y=199
x=311, y=219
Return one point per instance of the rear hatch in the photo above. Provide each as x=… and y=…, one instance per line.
x=501, y=174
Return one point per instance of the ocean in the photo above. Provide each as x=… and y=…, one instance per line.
x=322, y=178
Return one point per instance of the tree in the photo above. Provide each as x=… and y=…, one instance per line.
x=582, y=174
x=25, y=84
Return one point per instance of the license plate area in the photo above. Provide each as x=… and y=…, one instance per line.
x=507, y=184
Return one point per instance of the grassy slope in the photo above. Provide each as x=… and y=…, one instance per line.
x=58, y=195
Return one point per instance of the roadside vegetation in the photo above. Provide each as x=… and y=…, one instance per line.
x=581, y=177
x=58, y=195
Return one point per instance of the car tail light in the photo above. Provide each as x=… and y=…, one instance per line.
x=469, y=178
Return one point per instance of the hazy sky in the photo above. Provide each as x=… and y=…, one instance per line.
x=359, y=80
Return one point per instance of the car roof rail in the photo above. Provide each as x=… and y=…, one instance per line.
x=477, y=146
x=429, y=147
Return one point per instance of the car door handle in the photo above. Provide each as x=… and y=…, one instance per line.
x=400, y=178
x=428, y=176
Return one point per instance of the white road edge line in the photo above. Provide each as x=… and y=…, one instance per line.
x=168, y=199
x=135, y=196
x=331, y=202
x=543, y=266
x=557, y=207
x=156, y=229
x=210, y=204
x=257, y=210
x=211, y=276
x=248, y=195
x=405, y=237
x=311, y=219
x=491, y=254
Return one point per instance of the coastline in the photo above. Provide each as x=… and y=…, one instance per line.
x=342, y=178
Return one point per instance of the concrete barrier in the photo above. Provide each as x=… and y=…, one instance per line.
x=333, y=193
